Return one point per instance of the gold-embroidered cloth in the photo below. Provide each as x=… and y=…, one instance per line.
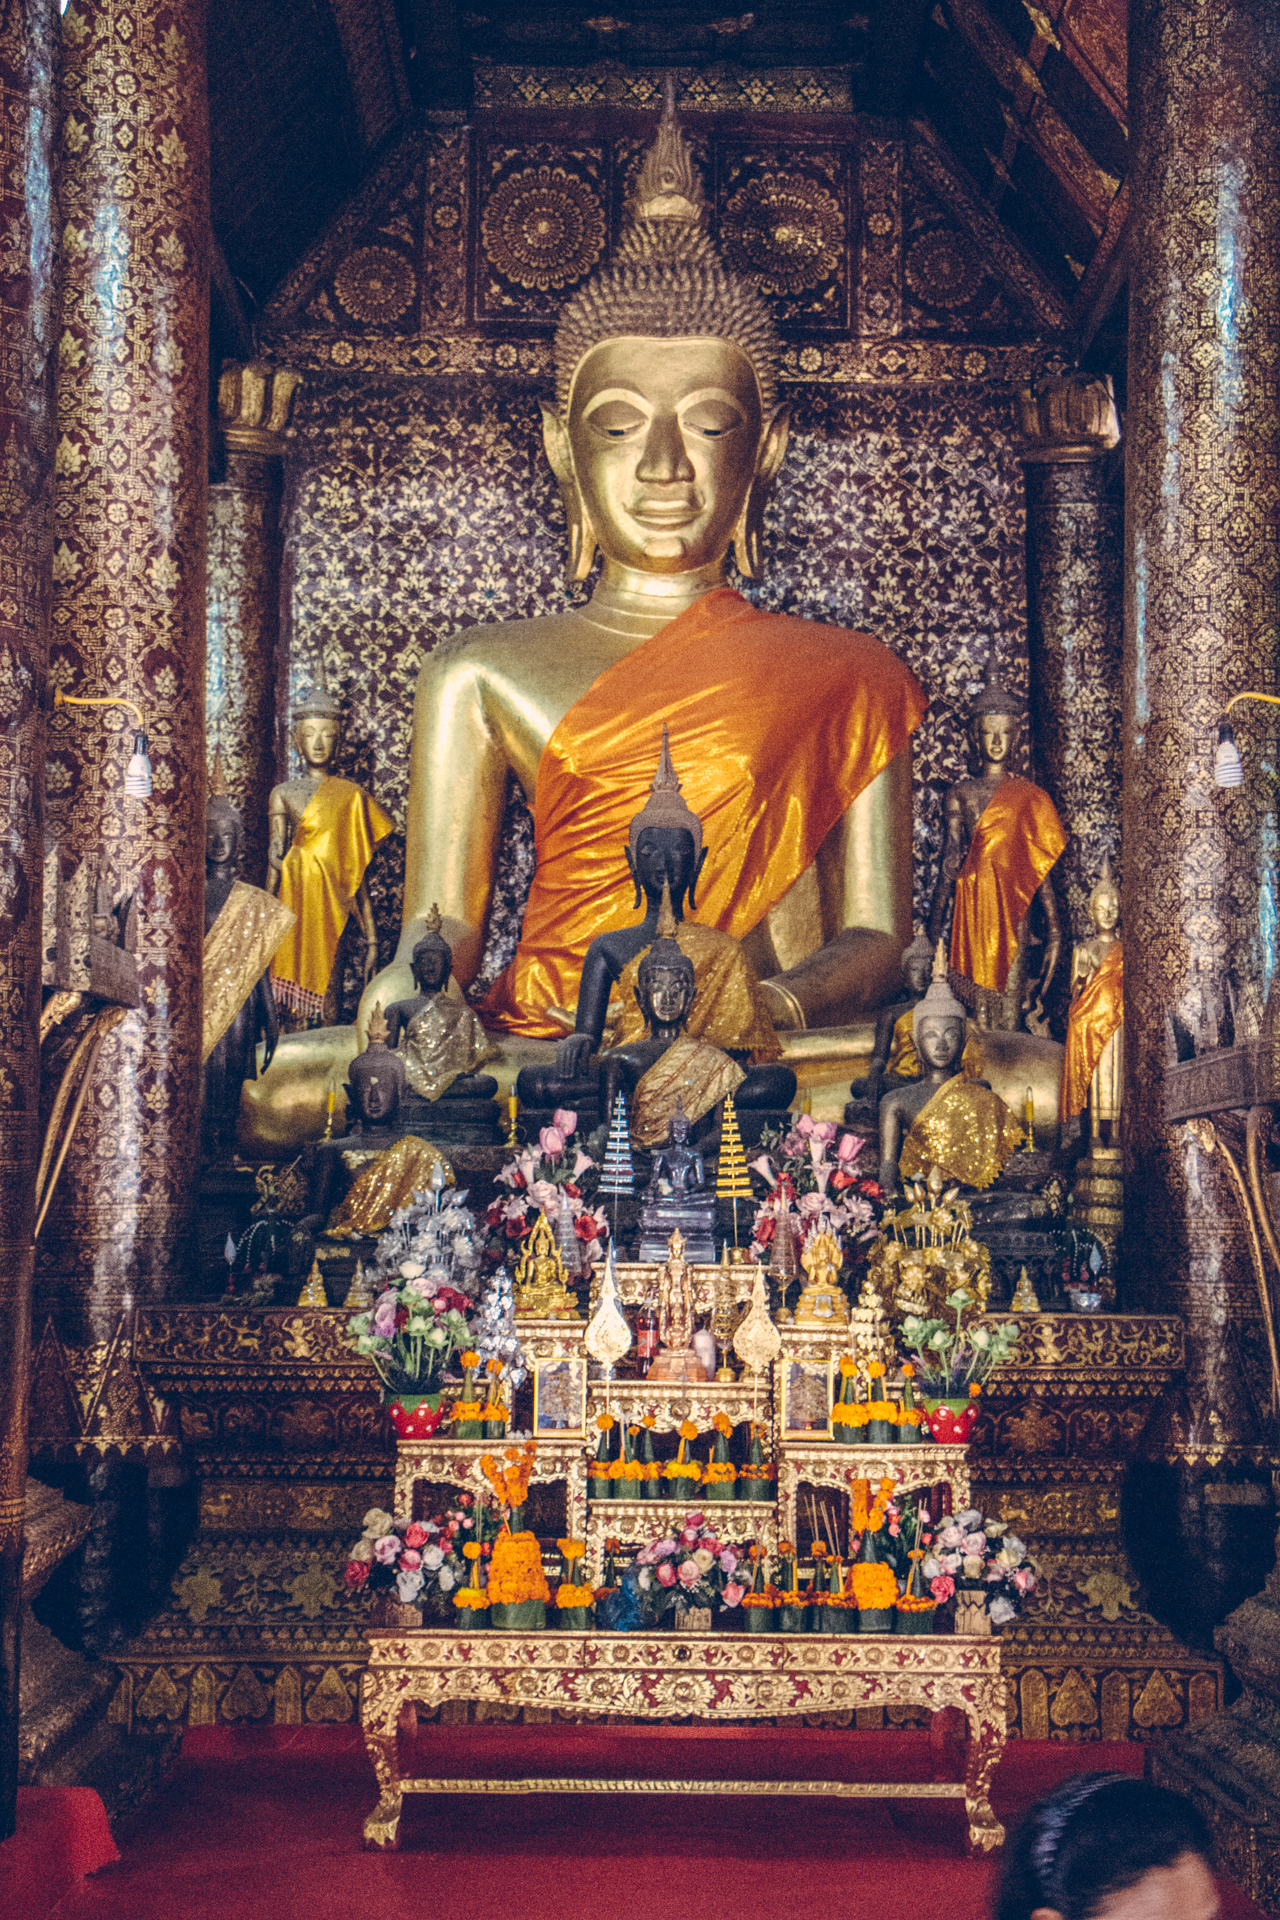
x=905, y=1061
x=444, y=1040
x=690, y=1071
x=237, y=952
x=965, y=1129
x=729, y=1009
x=384, y=1186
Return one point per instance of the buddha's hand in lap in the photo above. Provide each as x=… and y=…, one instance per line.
x=572, y=1055
x=395, y=982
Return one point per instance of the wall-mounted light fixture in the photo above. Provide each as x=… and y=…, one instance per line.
x=137, y=775
x=1228, y=768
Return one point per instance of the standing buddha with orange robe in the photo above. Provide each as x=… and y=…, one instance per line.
x=1093, y=1071
x=1003, y=836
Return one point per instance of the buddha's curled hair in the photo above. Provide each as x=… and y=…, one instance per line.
x=666, y=281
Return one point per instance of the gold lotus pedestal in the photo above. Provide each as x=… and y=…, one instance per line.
x=714, y=1677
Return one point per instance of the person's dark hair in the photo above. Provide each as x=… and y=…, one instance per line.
x=1094, y=1836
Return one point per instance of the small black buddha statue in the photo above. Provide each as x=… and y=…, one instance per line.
x=234, y=1058
x=441, y=1042
x=917, y=964
x=677, y=1198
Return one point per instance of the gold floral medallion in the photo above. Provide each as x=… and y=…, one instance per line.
x=543, y=228
x=786, y=230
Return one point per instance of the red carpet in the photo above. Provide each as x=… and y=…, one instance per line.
x=266, y=1821
x=62, y=1834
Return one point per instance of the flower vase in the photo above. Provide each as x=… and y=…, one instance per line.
x=972, y=1617
x=917, y=1619
x=760, y=1619
x=691, y=1620
x=519, y=1616
x=389, y=1611
x=415, y=1416
x=950, y=1422
x=793, y=1619
x=875, y=1619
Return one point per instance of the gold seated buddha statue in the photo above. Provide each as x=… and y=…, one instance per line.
x=793, y=737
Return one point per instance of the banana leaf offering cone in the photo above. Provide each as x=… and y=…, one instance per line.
x=916, y=1609
x=651, y=1480
x=600, y=1485
x=848, y=1414
x=757, y=1475
x=719, y=1476
x=908, y=1411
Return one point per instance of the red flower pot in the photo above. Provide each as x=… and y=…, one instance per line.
x=416, y=1416
x=950, y=1422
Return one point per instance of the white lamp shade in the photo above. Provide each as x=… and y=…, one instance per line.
x=1228, y=769
x=137, y=775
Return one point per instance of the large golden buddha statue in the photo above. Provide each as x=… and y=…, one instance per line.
x=665, y=436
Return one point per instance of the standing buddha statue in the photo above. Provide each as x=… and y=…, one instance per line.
x=323, y=832
x=1003, y=836
x=1093, y=1074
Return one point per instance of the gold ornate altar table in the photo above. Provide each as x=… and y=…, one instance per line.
x=657, y=1676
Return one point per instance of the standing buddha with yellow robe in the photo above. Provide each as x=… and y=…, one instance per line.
x=323, y=834
x=1093, y=1072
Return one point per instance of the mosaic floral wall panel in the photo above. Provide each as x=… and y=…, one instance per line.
x=418, y=509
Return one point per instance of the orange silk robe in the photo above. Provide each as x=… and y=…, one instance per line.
x=1096, y=1014
x=320, y=877
x=1016, y=841
x=777, y=725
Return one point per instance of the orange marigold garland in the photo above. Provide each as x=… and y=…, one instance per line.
x=873, y=1585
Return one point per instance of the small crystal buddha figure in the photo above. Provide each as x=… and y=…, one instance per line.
x=441, y=1040
x=942, y=1119
x=1003, y=836
x=323, y=834
x=233, y=1057
x=1093, y=1073
x=666, y=1068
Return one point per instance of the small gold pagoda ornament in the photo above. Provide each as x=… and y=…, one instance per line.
x=757, y=1342
x=540, y=1291
x=1024, y=1295
x=822, y=1302
x=313, y=1294
x=608, y=1336
x=871, y=1330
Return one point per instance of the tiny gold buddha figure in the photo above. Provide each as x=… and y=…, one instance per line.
x=665, y=436
x=822, y=1302
x=440, y=1039
x=942, y=1119
x=1003, y=837
x=540, y=1290
x=323, y=832
x=675, y=1358
x=1093, y=1074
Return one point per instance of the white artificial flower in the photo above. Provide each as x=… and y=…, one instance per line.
x=703, y=1560
x=432, y=1558
x=931, y=1568
x=377, y=1522
x=409, y=1586
x=411, y=1269
x=448, y=1579
x=973, y=1565
x=362, y=1550
x=1002, y=1611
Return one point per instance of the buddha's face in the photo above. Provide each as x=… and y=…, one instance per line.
x=665, y=438
x=997, y=735
x=669, y=995
x=1105, y=908
x=940, y=1042
x=664, y=855
x=916, y=972
x=375, y=1094
x=431, y=969
x=221, y=840
x=316, y=740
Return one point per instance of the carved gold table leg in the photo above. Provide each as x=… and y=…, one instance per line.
x=987, y=1726
x=379, y=1718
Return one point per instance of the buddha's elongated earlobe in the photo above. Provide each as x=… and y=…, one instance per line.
x=582, y=535
x=748, y=534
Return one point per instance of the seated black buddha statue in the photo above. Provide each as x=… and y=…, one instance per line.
x=666, y=1068
x=440, y=1042
x=664, y=855
x=944, y=1118
x=678, y=1199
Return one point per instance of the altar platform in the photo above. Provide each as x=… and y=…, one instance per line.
x=281, y=1425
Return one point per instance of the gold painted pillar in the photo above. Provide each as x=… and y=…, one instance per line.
x=28, y=319
x=1202, y=595
x=1075, y=621
x=129, y=618
x=254, y=403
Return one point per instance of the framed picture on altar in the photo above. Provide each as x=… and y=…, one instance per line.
x=806, y=1399
x=560, y=1398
